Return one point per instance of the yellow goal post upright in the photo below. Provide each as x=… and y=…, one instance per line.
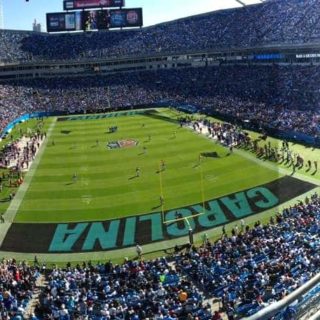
x=186, y=219
x=161, y=193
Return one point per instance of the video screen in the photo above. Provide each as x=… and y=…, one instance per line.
x=126, y=18
x=95, y=20
x=64, y=21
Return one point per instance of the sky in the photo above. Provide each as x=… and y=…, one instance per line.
x=20, y=14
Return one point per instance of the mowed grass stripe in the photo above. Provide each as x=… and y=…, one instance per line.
x=66, y=133
x=180, y=147
x=150, y=161
x=104, y=189
x=68, y=129
x=171, y=195
x=112, y=184
x=117, y=206
x=151, y=189
x=73, y=149
x=176, y=154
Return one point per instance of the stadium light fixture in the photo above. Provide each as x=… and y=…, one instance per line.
x=242, y=3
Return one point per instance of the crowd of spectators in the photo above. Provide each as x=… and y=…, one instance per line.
x=282, y=97
x=14, y=102
x=271, y=22
x=17, y=283
x=134, y=290
x=254, y=267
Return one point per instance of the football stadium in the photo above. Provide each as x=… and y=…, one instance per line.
x=161, y=172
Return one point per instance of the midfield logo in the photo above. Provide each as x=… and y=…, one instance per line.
x=127, y=143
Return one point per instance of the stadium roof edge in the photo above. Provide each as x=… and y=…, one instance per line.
x=208, y=13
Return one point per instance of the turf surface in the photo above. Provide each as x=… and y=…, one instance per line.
x=107, y=187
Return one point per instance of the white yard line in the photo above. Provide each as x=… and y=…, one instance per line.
x=13, y=208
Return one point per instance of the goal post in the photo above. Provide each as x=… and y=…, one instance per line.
x=185, y=218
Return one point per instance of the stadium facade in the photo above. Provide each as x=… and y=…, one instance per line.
x=254, y=34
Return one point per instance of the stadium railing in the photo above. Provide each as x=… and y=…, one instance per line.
x=26, y=117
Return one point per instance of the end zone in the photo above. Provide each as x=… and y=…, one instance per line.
x=117, y=234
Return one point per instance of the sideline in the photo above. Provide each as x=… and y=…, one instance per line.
x=13, y=208
x=267, y=164
x=275, y=167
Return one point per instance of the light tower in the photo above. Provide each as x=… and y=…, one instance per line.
x=1, y=16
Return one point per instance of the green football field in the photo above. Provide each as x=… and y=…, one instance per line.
x=83, y=198
x=106, y=185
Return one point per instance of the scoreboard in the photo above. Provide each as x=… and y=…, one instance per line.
x=90, y=4
x=91, y=18
x=94, y=20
